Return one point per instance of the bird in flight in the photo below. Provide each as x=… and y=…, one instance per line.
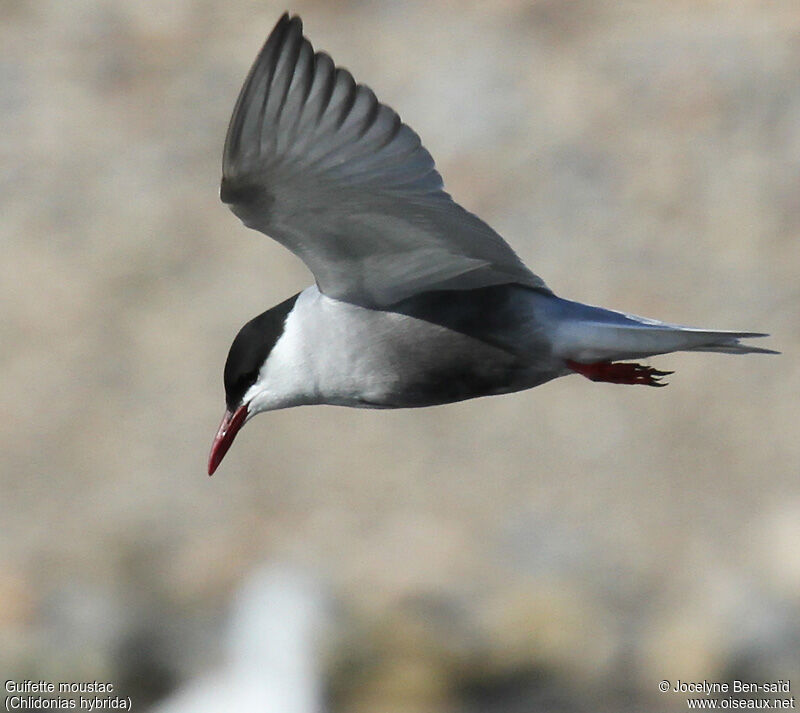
x=416, y=301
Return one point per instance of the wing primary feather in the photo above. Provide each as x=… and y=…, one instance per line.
x=325, y=60
x=284, y=73
x=297, y=97
x=394, y=131
x=236, y=132
x=279, y=82
x=345, y=80
x=372, y=112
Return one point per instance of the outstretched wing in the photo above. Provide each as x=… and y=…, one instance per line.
x=313, y=160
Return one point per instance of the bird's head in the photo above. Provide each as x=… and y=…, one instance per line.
x=249, y=387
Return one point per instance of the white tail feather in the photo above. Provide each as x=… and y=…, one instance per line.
x=589, y=334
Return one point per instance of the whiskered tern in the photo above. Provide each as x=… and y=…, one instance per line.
x=416, y=301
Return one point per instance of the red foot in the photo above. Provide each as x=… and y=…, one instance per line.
x=619, y=372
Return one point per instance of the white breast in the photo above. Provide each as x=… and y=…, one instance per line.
x=330, y=352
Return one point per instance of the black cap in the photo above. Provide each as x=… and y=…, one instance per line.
x=250, y=350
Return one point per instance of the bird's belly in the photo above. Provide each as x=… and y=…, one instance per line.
x=447, y=383
x=405, y=363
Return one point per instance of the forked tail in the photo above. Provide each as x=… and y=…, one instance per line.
x=589, y=339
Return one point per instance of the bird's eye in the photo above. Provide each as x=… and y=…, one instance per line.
x=245, y=381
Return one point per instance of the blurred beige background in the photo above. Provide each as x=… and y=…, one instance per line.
x=560, y=549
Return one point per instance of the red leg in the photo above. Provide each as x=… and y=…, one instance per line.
x=620, y=372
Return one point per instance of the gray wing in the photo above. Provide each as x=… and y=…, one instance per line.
x=313, y=160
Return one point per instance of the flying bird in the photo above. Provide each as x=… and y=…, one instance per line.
x=416, y=301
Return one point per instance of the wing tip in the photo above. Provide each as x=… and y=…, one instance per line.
x=288, y=24
x=288, y=28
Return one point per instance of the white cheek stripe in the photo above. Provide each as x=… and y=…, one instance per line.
x=287, y=377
